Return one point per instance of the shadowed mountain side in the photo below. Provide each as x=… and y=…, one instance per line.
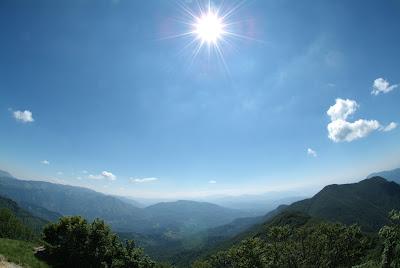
x=26, y=218
x=70, y=200
x=192, y=215
x=49, y=200
x=366, y=203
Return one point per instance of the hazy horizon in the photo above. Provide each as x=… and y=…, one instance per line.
x=160, y=99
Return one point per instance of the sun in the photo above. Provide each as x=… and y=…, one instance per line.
x=211, y=31
x=209, y=28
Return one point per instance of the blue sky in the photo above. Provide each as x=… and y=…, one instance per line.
x=114, y=104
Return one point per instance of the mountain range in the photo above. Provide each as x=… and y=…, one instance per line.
x=49, y=201
x=184, y=230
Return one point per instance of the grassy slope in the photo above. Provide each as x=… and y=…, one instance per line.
x=20, y=252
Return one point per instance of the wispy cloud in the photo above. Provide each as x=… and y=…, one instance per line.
x=45, y=162
x=23, y=116
x=381, y=85
x=59, y=173
x=143, y=180
x=311, y=152
x=212, y=181
x=103, y=175
x=389, y=127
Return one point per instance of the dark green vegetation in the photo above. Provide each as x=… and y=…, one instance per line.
x=12, y=227
x=293, y=239
x=70, y=242
x=19, y=233
x=18, y=222
x=367, y=203
x=73, y=242
x=391, y=236
x=20, y=252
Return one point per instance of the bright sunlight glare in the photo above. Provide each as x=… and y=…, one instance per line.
x=209, y=27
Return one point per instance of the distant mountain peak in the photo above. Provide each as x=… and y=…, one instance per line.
x=390, y=175
x=5, y=174
x=366, y=202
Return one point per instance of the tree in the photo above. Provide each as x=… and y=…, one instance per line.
x=73, y=242
x=391, y=241
x=322, y=245
x=11, y=227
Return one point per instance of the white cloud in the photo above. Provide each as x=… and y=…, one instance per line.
x=103, y=175
x=389, y=127
x=45, y=162
x=95, y=177
x=143, y=180
x=341, y=130
x=311, y=152
x=381, y=85
x=342, y=109
x=108, y=175
x=23, y=116
x=212, y=182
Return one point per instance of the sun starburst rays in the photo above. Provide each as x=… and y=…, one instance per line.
x=209, y=29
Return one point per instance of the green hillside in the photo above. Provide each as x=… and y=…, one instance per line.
x=26, y=218
x=366, y=203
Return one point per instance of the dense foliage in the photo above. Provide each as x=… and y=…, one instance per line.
x=391, y=237
x=34, y=223
x=74, y=242
x=307, y=244
x=324, y=245
x=11, y=227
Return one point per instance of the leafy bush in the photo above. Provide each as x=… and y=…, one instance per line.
x=323, y=245
x=391, y=237
x=74, y=242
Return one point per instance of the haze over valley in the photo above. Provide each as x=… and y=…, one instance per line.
x=199, y=133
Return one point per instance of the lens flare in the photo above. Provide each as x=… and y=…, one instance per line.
x=209, y=28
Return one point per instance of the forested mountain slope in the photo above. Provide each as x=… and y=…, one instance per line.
x=367, y=203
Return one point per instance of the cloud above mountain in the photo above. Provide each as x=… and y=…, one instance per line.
x=103, y=175
x=143, y=180
x=339, y=129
